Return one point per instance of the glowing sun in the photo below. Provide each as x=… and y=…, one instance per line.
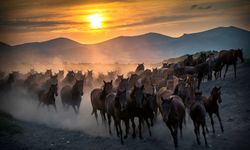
x=95, y=21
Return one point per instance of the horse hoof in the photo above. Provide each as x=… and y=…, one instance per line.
x=125, y=137
x=141, y=137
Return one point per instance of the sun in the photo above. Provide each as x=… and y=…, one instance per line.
x=95, y=21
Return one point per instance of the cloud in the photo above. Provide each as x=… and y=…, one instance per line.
x=157, y=20
x=201, y=6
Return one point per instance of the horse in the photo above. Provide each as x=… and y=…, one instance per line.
x=150, y=109
x=72, y=96
x=117, y=107
x=173, y=114
x=89, y=79
x=123, y=85
x=69, y=79
x=136, y=108
x=202, y=70
x=98, y=97
x=185, y=89
x=230, y=58
x=48, y=98
x=198, y=115
x=140, y=68
x=212, y=107
x=118, y=80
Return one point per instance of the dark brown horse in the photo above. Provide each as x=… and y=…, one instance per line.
x=150, y=109
x=48, y=98
x=135, y=108
x=230, y=58
x=198, y=115
x=117, y=107
x=212, y=107
x=72, y=96
x=98, y=97
x=173, y=114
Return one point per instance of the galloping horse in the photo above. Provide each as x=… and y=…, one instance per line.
x=173, y=114
x=48, y=98
x=98, y=97
x=212, y=107
x=72, y=96
x=198, y=115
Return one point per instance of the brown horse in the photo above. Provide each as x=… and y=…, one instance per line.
x=98, y=97
x=230, y=58
x=72, y=96
x=117, y=107
x=135, y=108
x=198, y=115
x=212, y=107
x=150, y=109
x=48, y=98
x=173, y=114
x=139, y=68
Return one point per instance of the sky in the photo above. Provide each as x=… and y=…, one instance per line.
x=23, y=21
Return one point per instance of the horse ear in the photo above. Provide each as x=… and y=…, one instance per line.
x=219, y=87
x=142, y=87
x=104, y=82
x=111, y=81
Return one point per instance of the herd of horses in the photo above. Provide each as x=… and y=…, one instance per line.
x=173, y=91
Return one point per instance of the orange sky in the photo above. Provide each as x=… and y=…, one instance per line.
x=23, y=21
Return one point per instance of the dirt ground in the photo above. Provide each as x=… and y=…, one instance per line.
x=43, y=129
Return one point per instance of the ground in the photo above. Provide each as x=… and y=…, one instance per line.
x=42, y=129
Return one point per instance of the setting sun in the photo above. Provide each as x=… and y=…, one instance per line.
x=95, y=21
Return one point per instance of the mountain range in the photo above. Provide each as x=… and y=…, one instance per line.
x=149, y=48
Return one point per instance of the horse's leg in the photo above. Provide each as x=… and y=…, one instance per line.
x=196, y=132
x=140, y=124
x=116, y=126
x=133, y=125
x=127, y=128
x=175, y=135
x=226, y=71
x=218, y=116
x=234, y=70
x=74, y=109
x=96, y=116
x=55, y=107
x=109, y=122
x=148, y=127
x=204, y=133
x=180, y=126
x=171, y=131
x=212, y=121
x=120, y=129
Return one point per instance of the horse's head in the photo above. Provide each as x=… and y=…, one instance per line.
x=121, y=100
x=90, y=73
x=216, y=94
x=120, y=77
x=123, y=85
x=79, y=86
x=138, y=96
x=54, y=89
x=166, y=105
x=108, y=86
